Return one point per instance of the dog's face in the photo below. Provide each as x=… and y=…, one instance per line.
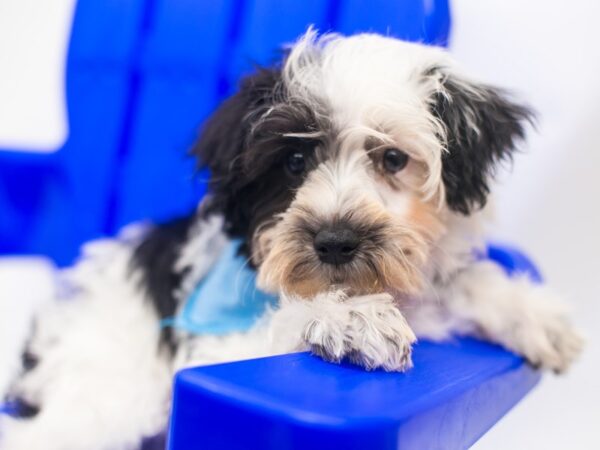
x=341, y=167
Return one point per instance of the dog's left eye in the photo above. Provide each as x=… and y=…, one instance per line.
x=296, y=163
x=394, y=160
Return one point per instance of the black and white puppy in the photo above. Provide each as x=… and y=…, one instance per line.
x=356, y=176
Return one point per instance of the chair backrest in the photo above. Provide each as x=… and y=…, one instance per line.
x=142, y=75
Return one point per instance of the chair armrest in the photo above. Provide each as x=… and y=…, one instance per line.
x=453, y=395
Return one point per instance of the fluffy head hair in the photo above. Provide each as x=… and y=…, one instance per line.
x=367, y=136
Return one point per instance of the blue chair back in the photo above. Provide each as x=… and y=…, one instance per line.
x=142, y=75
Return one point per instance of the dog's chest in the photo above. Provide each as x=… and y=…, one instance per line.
x=226, y=300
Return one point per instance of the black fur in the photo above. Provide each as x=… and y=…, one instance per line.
x=245, y=152
x=155, y=256
x=248, y=182
x=473, y=153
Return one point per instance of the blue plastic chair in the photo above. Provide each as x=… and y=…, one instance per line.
x=142, y=75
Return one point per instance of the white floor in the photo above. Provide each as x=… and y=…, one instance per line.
x=547, y=51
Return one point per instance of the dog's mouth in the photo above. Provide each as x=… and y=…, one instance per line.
x=321, y=277
x=374, y=261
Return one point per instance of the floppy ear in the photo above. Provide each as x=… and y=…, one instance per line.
x=224, y=134
x=224, y=137
x=483, y=126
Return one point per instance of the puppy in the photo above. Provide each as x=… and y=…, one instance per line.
x=352, y=179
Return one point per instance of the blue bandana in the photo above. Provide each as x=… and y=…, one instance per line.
x=225, y=301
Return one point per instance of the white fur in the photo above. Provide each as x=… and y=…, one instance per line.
x=101, y=380
x=204, y=245
x=352, y=75
x=516, y=313
x=369, y=327
x=339, y=184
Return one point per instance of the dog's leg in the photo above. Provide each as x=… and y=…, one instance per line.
x=99, y=381
x=514, y=312
x=368, y=330
x=214, y=349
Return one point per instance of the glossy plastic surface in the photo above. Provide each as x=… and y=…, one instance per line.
x=514, y=261
x=453, y=395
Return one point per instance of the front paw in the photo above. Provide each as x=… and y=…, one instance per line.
x=368, y=330
x=537, y=327
x=551, y=342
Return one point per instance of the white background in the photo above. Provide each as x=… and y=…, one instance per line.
x=34, y=36
x=549, y=52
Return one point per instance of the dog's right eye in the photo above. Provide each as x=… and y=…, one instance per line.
x=296, y=163
x=394, y=160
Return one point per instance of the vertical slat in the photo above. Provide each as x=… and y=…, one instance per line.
x=182, y=69
x=52, y=203
x=270, y=24
x=401, y=18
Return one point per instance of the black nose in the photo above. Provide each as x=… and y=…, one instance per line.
x=336, y=245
